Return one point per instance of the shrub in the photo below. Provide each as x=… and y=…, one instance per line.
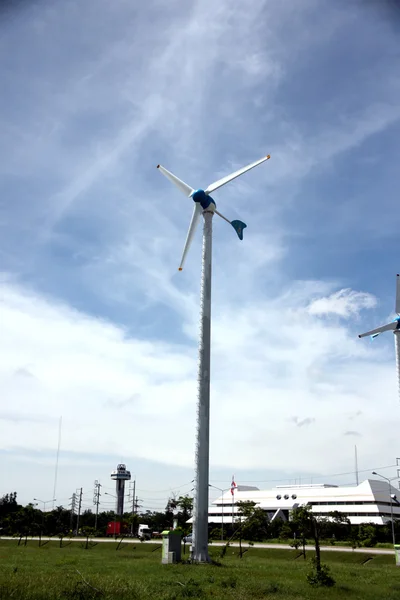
x=320, y=577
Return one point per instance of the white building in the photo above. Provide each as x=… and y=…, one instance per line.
x=369, y=502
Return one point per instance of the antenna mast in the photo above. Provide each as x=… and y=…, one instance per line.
x=57, y=456
x=356, y=463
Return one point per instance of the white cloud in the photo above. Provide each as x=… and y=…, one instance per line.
x=137, y=398
x=344, y=303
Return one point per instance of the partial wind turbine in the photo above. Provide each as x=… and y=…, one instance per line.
x=204, y=205
x=392, y=326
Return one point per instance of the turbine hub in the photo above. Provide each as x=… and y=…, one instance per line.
x=203, y=199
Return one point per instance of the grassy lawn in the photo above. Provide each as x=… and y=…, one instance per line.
x=134, y=573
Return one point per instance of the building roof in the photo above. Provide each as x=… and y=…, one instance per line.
x=370, y=501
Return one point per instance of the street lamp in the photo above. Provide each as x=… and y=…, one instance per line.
x=391, y=501
x=222, y=524
x=44, y=502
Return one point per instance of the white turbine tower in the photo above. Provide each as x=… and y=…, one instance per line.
x=206, y=206
x=392, y=326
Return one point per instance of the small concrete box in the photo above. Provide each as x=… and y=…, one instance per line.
x=171, y=547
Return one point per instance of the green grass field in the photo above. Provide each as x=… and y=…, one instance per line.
x=135, y=573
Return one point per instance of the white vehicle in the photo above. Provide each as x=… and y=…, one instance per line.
x=144, y=532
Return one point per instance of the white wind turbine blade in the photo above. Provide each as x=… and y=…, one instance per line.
x=217, y=184
x=398, y=294
x=181, y=185
x=197, y=211
x=390, y=326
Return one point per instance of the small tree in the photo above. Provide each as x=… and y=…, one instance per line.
x=88, y=532
x=338, y=526
x=185, y=506
x=170, y=511
x=255, y=524
x=367, y=534
x=309, y=524
x=286, y=531
x=302, y=521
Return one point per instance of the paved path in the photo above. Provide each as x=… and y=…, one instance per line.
x=323, y=548
x=234, y=544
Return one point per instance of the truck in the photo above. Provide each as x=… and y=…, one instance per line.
x=116, y=528
x=144, y=532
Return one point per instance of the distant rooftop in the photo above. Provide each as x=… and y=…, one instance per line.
x=305, y=486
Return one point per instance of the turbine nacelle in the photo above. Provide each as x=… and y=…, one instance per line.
x=204, y=202
x=203, y=199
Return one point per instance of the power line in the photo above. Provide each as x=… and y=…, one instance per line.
x=309, y=476
x=170, y=489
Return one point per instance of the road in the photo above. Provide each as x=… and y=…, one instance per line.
x=234, y=544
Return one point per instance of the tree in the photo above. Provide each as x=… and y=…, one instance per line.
x=275, y=528
x=157, y=521
x=367, y=534
x=301, y=519
x=170, y=510
x=255, y=525
x=88, y=532
x=286, y=532
x=27, y=520
x=172, y=504
x=8, y=505
x=337, y=526
x=309, y=525
x=185, y=504
x=56, y=521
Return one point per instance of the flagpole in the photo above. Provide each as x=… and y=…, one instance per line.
x=233, y=485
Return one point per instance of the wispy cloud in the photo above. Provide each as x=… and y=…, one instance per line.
x=344, y=303
x=302, y=422
x=353, y=433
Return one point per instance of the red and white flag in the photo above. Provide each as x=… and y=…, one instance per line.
x=233, y=485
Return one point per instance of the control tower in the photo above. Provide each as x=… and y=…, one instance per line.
x=120, y=475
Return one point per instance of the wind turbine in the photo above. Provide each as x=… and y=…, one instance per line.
x=204, y=205
x=392, y=326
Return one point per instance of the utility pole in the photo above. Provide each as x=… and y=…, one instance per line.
x=133, y=504
x=96, y=500
x=73, y=506
x=79, y=511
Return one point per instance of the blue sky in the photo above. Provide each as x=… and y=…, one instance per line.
x=97, y=324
